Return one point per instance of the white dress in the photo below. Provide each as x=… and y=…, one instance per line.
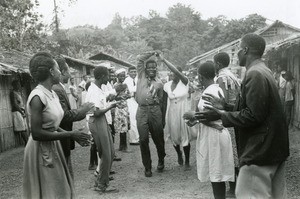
x=176, y=128
x=132, y=108
x=214, y=148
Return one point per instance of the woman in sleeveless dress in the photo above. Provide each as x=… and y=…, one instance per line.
x=46, y=173
x=214, y=148
x=176, y=129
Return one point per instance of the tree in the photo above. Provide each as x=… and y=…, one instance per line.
x=20, y=25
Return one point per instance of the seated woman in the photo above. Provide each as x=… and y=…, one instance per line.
x=46, y=173
x=214, y=147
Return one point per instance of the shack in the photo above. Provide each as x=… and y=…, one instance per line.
x=288, y=50
x=273, y=33
x=14, y=65
x=79, y=68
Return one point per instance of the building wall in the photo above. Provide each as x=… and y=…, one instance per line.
x=293, y=64
x=277, y=33
x=8, y=139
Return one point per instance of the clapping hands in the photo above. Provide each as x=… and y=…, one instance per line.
x=83, y=139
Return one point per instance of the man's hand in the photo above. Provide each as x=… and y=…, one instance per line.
x=192, y=122
x=216, y=102
x=189, y=115
x=86, y=107
x=211, y=115
x=110, y=97
x=159, y=56
x=146, y=55
x=81, y=138
x=113, y=104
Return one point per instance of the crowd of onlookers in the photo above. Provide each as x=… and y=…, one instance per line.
x=240, y=127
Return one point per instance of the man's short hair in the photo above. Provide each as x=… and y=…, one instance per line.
x=131, y=68
x=256, y=43
x=207, y=70
x=61, y=61
x=222, y=58
x=99, y=71
x=150, y=61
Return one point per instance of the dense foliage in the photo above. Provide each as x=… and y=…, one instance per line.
x=181, y=34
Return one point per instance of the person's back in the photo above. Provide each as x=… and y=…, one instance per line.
x=273, y=128
x=260, y=125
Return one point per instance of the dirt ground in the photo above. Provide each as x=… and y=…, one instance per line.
x=174, y=182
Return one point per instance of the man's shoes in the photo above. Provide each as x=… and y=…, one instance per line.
x=112, y=172
x=148, y=173
x=96, y=173
x=92, y=167
x=111, y=178
x=187, y=167
x=117, y=158
x=135, y=143
x=160, y=166
x=106, y=189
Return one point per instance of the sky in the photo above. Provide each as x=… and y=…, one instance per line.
x=101, y=12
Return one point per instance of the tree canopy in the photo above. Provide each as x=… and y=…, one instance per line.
x=182, y=34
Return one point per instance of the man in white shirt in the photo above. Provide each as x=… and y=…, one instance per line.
x=130, y=81
x=99, y=128
x=82, y=87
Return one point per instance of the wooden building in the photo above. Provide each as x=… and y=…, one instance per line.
x=13, y=65
x=79, y=68
x=273, y=33
x=289, y=51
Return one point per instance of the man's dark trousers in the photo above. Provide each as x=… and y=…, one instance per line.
x=149, y=119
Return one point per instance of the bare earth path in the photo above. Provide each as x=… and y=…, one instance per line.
x=174, y=182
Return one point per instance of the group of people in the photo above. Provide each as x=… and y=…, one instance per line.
x=240, y=129
x=286, y=88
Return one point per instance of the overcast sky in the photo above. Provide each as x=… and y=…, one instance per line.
x=101, y=12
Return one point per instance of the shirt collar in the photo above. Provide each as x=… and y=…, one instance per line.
x=254, y=63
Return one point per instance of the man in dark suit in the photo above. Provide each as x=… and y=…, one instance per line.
x=262, y=133
x=70, y=115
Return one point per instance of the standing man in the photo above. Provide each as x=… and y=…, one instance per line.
x=258, y=118
x=18, y=111
x=70, y=115
x=82, y=87
x=149, y=96
x=99, y=128
x=130, y=81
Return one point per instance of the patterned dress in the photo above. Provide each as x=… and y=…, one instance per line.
x=121, y=120
x=233, y=87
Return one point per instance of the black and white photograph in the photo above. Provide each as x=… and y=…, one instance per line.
x=130, y=99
